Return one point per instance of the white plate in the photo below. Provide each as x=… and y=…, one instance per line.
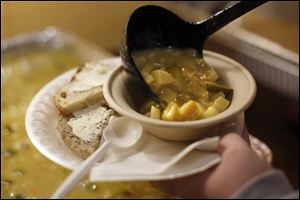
x=41, y=120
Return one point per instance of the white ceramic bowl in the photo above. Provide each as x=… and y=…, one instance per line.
x=123, y=93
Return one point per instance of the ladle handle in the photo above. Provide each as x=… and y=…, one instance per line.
x=222, y=18
x=79, y=172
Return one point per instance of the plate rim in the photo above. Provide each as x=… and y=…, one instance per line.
x=28, y=119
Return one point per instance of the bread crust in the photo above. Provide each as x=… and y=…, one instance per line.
x=77, y=100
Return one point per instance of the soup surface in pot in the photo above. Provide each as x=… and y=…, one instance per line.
x=25, y=172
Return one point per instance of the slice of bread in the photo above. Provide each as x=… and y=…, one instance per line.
x=74, y=143
x=84, y=89
x=83, y=111
x=82, y=132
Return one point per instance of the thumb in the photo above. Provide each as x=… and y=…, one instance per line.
x=231, y=142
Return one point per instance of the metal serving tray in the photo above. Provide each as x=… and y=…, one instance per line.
x=272, y=65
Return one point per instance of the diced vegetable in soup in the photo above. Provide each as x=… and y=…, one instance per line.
x=186, y=86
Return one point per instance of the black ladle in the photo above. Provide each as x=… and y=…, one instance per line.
x=153, y=26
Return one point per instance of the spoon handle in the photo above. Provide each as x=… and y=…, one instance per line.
x=79, y=172
x=205, y=145
x=222, y=18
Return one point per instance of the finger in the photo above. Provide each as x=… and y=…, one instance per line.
x=245, y=136
x=231, y=141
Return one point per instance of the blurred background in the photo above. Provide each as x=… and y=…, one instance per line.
x=103, y=22
x=265, y=40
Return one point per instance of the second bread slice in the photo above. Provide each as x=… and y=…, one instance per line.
x=84, y=89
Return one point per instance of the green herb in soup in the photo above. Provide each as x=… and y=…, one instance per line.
x=186, y=86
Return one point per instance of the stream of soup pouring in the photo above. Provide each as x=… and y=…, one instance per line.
x=185, y=85
x=25, y=172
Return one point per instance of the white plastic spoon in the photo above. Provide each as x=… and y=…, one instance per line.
x=122, y=132
x=208, y=145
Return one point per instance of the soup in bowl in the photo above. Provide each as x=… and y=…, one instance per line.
x=186, y=87
x=124, y=93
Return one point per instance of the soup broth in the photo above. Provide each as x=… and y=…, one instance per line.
x=187, y=87
x=25, y=172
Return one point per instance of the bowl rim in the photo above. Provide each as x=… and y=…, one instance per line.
x=221, y=117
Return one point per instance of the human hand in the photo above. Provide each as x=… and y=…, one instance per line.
x=238, y=165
